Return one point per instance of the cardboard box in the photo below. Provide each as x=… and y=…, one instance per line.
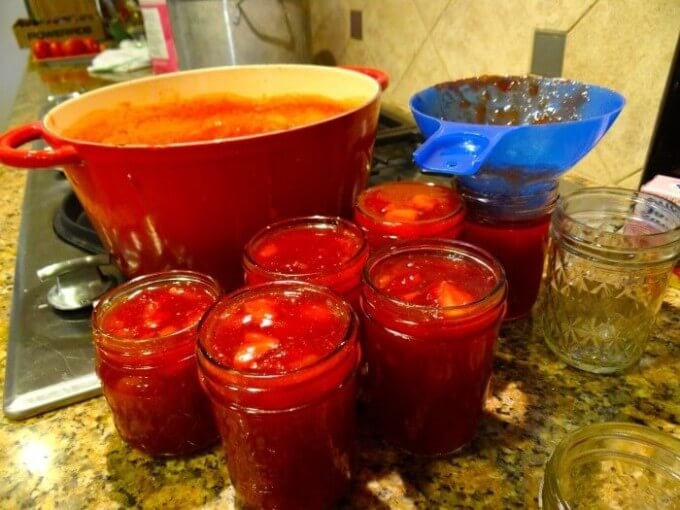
x=26, y=31
x=42, y=10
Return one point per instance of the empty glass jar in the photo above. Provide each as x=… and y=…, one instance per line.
x=613, y=465
x=610, y=258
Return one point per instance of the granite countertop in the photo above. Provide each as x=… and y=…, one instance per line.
x=73, y=457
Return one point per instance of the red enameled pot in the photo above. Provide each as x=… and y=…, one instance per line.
x=194, y=205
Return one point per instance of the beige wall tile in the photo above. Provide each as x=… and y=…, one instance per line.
x=430, y=10
x=477, y=37
x=558, y=14
x=394, y=32
x=329, y=21
x=625, y=45
x=425, y=70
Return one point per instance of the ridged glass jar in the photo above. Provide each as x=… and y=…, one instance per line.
x=610, y=259
x=613, y=465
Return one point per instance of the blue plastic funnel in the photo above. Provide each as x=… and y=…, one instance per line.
x=510, y=134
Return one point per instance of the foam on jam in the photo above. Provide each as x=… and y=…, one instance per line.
x=433, y=280
x=157, y=311
x=275, y=333
x=306, y=249
x=409, y=202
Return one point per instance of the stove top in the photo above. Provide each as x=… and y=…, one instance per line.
x=50, y=356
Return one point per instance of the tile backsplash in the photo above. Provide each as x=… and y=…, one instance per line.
x=626, y=45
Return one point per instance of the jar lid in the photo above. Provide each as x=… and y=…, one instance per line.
x=613, y=465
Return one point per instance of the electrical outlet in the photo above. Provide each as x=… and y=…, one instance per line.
x=547, y=57
x=356, y=28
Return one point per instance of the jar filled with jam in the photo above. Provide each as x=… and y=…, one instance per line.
x=279, y=362
x=432, y=311
x=328, y=251
x=514, y=229
x=400, y=210
x=145, y=342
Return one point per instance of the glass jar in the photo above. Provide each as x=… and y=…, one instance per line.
x=613, y=465
x=323, y=250
x=432, y=311
x=145, y=340
x=401, y=210
x=279, y=362
x=610, y=259
x=515, y=230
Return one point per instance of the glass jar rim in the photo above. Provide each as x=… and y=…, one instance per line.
x=350, y=331
x=391, y=223
x=472, y=252
x=114, y=295
x=312, y=221
x=612, y=240
x=632, y=433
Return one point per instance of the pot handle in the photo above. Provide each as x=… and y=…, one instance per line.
x=454, y=152
x=10, y=154
x=378, y=75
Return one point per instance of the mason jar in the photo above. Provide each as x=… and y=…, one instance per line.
x=432, y=310
x=279, y=362
x=613, y=465
x=323, y=250
x=401, y=210
x=514, y=229
x=610, y=259
x=145, y=343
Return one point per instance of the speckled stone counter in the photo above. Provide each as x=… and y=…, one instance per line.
x=72, y=458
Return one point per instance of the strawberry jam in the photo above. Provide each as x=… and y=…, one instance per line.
x=323, y=250
x=145, y=340
x=278, y=361
x=432, y=311
x=514, y=229
x=394, y=211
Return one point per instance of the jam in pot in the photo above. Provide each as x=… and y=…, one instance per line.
x=145, y=342
x=432, y=311
x=323, y=250
x=401, y=210
x=278, y=361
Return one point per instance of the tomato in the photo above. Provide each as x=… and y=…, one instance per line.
x=73, y=46
x=56, y=49
x=41, y=49
x=91, y=45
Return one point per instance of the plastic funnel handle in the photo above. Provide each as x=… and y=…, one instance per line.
x=10, y=154
x=450, y=151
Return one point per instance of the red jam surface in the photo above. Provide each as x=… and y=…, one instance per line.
x=276, y=334
x=330, y=252
x=158, y=311
x=408, y=210
x=520, y=247
x=145, y=344
x=429, y=335
x=279, y=367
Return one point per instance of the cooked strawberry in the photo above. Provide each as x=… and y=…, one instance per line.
x=424, y=202
x=256, y=345
x=449, y=294
x=402, y=214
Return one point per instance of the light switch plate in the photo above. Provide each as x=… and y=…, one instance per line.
x=356, y=28
x=547, y=57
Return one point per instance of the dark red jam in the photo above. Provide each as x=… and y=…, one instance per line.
x=520, y=246
x=145, y=338
x=432, y=311
x=279, y=361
